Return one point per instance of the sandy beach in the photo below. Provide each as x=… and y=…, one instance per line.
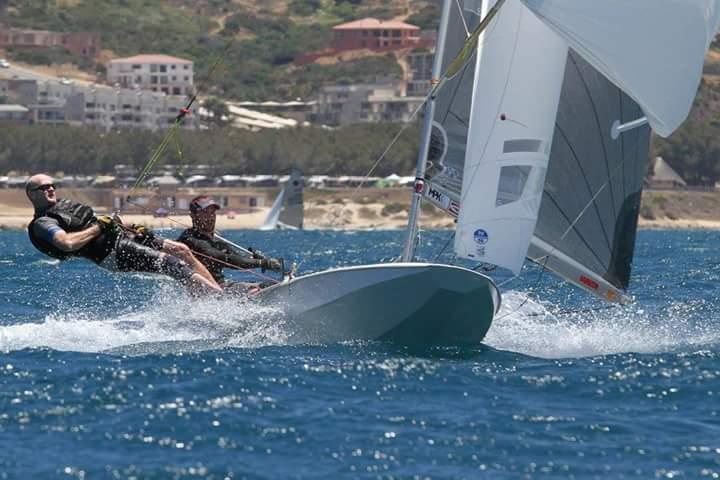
x=386, y=209
x=347, y=217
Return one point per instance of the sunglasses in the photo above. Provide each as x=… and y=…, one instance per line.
x=45, y=187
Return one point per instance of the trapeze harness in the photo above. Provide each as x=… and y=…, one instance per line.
x=73, y=217
x=129, y=254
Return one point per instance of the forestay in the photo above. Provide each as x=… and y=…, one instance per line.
x=588, y=217
x=652, y=49
x=518, y=78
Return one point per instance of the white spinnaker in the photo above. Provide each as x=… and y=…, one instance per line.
x=519, y=74
x=653, y=50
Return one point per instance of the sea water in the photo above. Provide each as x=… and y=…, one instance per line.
x=121, y=376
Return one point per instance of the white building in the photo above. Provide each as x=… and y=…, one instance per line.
x=112, y=108
x=364, y=103
x=159, y=73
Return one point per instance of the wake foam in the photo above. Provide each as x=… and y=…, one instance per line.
x=174, y=318
x=530, y=328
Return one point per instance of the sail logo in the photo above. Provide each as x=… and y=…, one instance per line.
x=435, y=195
x=481, y=236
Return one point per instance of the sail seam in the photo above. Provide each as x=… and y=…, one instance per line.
x=589, y=189
x=579, y=235
x=583, y=80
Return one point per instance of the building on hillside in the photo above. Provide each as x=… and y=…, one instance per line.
x=419, y=75
x=363, y=103
x=375, y=34
x=158, y=73
x=14, y=114
x=97, y=106
x=662, y=176
x=108, y=108
x=86, y=44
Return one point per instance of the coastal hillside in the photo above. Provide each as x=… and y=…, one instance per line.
x=257, y=40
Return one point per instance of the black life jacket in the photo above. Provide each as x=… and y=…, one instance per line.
x=72, y=217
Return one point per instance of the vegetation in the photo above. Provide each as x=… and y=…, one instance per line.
x=694, y=149
x=257, y=42
x=73, y=150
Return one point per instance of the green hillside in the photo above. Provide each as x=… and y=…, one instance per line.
x=257, y=40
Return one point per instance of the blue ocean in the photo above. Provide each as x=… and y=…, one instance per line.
x=121, y=376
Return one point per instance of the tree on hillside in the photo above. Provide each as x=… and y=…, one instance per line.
x=218, y=112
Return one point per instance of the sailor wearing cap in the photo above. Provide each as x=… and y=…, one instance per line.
x=214, y=253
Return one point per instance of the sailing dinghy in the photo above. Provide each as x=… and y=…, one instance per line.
x=286, y=212
x=536, y=138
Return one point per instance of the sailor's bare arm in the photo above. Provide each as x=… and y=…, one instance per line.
x=71, y=242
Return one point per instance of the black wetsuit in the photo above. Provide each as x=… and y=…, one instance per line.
x=129, y=253
x=216, y=254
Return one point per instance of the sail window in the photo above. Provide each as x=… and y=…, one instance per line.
x=522, y=145
x=512, y=183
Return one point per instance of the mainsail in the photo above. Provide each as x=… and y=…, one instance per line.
x=287, y=209
x=653, y=50
x=448, y=139
x=590, y=203
x=518, y=79
x=446, y=156
x=591, y=200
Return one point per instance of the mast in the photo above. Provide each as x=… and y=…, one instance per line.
x=409, y=251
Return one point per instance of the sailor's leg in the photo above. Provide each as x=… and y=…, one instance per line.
x=132, y=256
x=183, y=252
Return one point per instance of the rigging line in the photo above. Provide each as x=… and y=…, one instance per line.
x=178, y=121
x=442, y=250
x=337, y=212
x=500, y=103
x=601, y=141
x=574, y=62
x=455, y=66
x=592, y=200
x=178, y=222
x=462, y=17
x=527, y=297
x=586, y=182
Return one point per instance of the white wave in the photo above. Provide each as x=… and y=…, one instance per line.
x=527, y=327
x=217, y=323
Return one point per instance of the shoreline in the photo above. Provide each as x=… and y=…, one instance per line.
x=252, y=221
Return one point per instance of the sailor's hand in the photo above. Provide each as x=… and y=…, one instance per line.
x=271, y=264
x=145, y=236
x=106, y=223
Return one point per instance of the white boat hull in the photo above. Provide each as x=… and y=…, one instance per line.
x=405, y=303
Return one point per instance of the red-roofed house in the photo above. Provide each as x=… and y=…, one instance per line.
x=375, y=34
x=371, y=34
x=159, y=73
x=86, y=44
